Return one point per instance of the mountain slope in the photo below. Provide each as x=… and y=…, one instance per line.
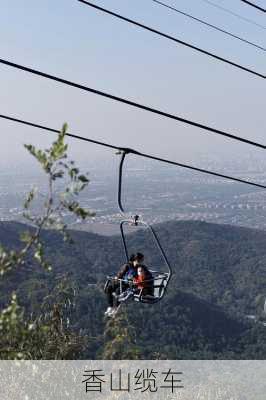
x=218, y=272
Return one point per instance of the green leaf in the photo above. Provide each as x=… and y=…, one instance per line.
x=73, y=172
x=29, y=198
x=25, y=236
x=83, y=178
x=58, y=174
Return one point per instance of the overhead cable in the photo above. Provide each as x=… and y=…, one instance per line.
x=172, y=38
x=253, y=5
x=132, y=151
x=234, y=14
x=208, y=24
x=131, y=103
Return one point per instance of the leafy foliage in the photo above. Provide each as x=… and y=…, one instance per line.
x=192, y=322
x=22, y=338
x=45, y=334
x=219, y=278
x=120, y=341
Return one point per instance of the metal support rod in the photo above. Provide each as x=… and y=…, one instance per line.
x=124, y=240
x=124, y=152
x=135, y=221
x=161, y=250
x=156, y=239
x=120, y=205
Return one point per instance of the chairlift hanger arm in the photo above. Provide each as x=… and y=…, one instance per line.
x=123, y=151
x=121, y=164
x=156, y=239
x=161, y=249
x=135, y=221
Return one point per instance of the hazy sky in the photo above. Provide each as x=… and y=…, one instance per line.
x=73, y=41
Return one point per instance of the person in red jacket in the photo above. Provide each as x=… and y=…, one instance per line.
x=134, y=272
x=140, y=278
x=144, y=280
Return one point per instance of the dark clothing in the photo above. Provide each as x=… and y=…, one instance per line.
x=148, y=290
x=150, y=282
x=114, y=287
x=127, y=272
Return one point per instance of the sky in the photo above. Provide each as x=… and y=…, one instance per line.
x=78, y=43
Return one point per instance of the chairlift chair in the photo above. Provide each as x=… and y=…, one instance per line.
x=160, y=279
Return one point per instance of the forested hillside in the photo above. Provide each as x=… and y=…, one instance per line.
x=219, y=278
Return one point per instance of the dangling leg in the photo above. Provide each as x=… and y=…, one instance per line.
x=111, y=289
x=119, y=298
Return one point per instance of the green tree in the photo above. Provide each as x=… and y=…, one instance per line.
x=47, y=335
x=120, y=339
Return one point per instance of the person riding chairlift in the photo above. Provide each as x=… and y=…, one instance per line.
x=129, y=274
x=144, y=281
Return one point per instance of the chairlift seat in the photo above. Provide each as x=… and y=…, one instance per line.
x=160, y=281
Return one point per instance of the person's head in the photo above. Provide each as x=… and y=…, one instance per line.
x=132, y=258
x=139, y=258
